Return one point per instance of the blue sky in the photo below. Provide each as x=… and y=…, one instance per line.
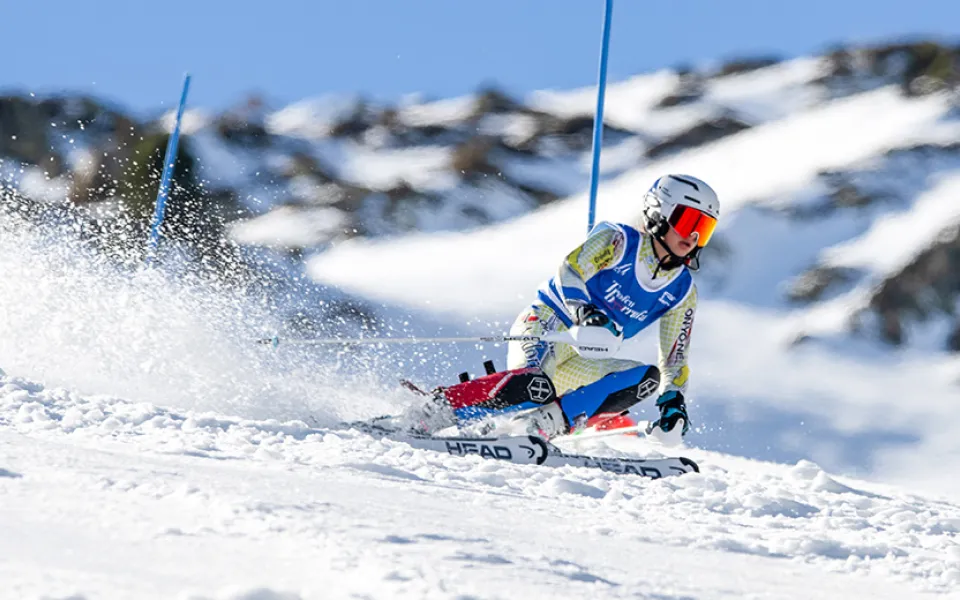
x=135, y=52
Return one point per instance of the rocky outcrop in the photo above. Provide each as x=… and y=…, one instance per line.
x=928, y=286
x=701, y=133
x=920, y=67
x=818, y=283
x=25, y=127
x=746, y=64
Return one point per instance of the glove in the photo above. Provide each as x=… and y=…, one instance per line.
x=672, y=409
x=588, y=315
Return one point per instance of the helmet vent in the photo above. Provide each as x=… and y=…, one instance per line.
x=686, y=181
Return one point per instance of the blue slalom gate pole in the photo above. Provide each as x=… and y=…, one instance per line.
x=598, y=117
x=169, y=158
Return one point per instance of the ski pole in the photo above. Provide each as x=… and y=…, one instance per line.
x=583, y=340
x=495, y=339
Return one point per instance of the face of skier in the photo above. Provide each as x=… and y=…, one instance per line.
x=681, y=246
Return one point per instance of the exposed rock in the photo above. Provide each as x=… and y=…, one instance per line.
x=746, y=64
x=953, y=341
x=692, y=83
x=344, y=196
x=429, y=134
x=25, y=126
x=389, y=118
x=923, y=67
x=401, y=191
x=879, y=182
x=840, y=63
x=702, y=133
x=814, y=284
x=920, y=67
x=929, y=285
x=356, y=123
x=685, y=94
x=578, y=132
x=542, y=196
x=301, y=164
x=238, y=130
x=926, y=151
x=81, y=113
x=473, y=158
x=404, y=134
x=574, y=133
x=490, y=100
x=848, y=195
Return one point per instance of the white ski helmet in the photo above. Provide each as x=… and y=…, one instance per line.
x=688, y=205
x=685, y=203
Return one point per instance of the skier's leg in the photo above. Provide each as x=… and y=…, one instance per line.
x=498, y=393
x=575, y=371
x=504, y=392
x=589, y=387
x=529, y=387
x=544, y=418
x=612, y=394
x=624, y=384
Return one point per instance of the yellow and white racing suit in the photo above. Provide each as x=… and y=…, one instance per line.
x=615, y=270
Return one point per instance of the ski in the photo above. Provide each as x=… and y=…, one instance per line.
x=532, y=450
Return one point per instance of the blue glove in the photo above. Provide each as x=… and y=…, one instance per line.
x=588, y=315
x=672, y=409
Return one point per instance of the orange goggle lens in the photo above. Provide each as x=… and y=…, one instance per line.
x=687, y=220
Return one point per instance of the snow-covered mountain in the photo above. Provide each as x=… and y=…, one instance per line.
x=871, y=129
x=150, y=448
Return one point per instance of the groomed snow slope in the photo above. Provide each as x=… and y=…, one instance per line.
x=104, y=498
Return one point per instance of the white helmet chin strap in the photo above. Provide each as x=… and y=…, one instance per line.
x=672, y=260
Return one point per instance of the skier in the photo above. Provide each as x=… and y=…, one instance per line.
x=610, y=288
x=617, y=283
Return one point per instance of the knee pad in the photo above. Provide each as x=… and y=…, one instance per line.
x=500, y=392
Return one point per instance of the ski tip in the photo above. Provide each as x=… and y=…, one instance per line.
x=689, y=463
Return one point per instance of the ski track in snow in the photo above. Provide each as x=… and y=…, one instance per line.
x=101, y=497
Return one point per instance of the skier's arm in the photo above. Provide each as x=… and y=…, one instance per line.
x=602, y=250
x=675, y=329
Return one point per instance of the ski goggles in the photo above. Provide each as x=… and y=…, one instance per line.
x=687, y=220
